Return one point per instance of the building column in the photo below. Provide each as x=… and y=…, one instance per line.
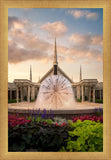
x=89, y=94
x=17, y=93
x=94, y=94
x=10, y=94
x=78, y=92
x=21, y=89
x=33, y=92
x=100, y=94
x=37, y=91
x=74, y=91
x=82, y=93
x=28, y=97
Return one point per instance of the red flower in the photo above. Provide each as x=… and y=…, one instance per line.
x=56, y=123
x=88, y=117
x=64, y=124
x=13, y=121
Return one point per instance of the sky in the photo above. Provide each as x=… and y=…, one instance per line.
x=79, y=38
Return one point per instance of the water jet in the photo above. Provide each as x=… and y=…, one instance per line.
x=56, y=93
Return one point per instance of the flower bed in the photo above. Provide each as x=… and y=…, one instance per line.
x=48, y=135
x=88, y=117
x=14, y=121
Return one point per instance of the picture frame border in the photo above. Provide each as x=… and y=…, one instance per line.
x=4, y=5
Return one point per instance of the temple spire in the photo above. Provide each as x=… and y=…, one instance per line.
x=30, y=73
x=55, y=63
x=80, y=73
x=55, y=55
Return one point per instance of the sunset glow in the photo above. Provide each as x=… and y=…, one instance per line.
x=31, y=36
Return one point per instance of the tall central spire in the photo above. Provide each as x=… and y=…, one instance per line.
x=55, y=55
x=55, y=63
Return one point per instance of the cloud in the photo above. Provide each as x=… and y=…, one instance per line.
x=83, y=13
x=25, y=45
x=15, y=23
x=80, y=39
x=86, y=39
x=73, y=54
x=80, y=52
x=18, y=54
x=28, y=40
x=92, y=15
x=70, y=59
x=55, y=29
x=97, y=40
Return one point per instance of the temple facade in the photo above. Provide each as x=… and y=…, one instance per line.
x=26, y=90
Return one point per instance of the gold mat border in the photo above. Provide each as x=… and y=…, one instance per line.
x=4, y=5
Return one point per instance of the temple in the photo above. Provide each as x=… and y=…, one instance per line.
x=27, y=90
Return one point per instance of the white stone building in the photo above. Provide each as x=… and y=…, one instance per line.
x=85, y=89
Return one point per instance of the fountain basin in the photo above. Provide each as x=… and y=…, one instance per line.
x=80, y=109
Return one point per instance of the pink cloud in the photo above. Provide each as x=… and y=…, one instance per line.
x=28, y=40
x=80, y=39
x=70, y=60
x=17, y=54
x=16, y=23
x=78, y=53
x=24, y=45
x=62, y=49
x=97, y=40
x=83, y=13
x=55, y=29
x=92, y=16
x=86, y=39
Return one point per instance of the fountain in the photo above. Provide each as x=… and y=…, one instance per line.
x=55, y=93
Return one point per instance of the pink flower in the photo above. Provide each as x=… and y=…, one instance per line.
x=88, y=117
x=56, y=123
x=64, y=124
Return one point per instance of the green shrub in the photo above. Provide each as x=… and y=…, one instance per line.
x=13, y=101
x=98, y=101
x=84, y=136
x=78, y=100
x=25, y=98
x=86, y=98
x=32, y=100
x=40, y=136
x=39, y=119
